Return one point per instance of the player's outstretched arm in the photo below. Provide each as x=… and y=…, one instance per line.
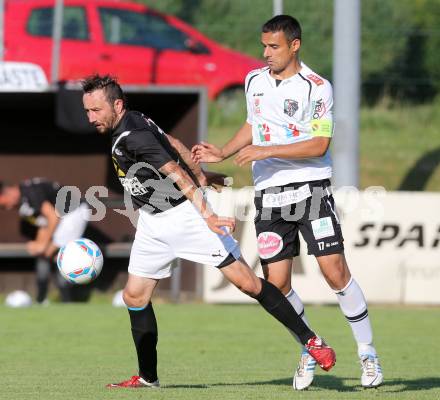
x=315, y=147
x=195, y=195
x=205, y=178
x=185, y=153
x=206, y=152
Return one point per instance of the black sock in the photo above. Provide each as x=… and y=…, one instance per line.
x=276, y=304
x=65, y=288
x=144, y=331
x=42, y=270
x=42, y=287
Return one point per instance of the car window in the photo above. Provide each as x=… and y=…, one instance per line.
x=142, y=29
x=74, y=23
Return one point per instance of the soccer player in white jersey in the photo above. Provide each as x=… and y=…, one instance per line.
x=286, y=137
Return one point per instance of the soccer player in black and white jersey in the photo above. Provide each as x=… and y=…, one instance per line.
x=35, y=200
x=286, y=137
x=174, y=221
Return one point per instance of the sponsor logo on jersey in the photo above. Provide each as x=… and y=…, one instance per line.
x=287, y=197
x=269, y=244
x=257, y=108
x=264, y=131
x=315, y=79
x=291, y=130
x=290, y=107
x=258, y=94
x=319, y=109
x=322, y=228
x=133, y=186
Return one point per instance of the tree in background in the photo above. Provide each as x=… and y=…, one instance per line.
x=400, y=38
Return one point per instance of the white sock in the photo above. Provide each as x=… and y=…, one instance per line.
x=299, y=308
x=354, y=307
x=364, y=349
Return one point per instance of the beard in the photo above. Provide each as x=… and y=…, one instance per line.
x=102, y=129
x=108, y=125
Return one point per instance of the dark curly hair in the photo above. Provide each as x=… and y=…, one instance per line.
x=108, y=83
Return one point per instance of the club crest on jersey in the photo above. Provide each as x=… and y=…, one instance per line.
x=264, y=131
x=290, y=107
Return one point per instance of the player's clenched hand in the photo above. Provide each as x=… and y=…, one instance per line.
x=251, y=153
x=206, y=152
x=218, y=224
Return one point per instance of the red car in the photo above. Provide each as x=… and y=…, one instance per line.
x=128, y=40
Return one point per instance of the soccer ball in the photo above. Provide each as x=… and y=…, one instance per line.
x=18, y=298
x=80, y=261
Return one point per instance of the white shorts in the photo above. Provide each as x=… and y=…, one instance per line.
x=71, y=225
x=179, y=232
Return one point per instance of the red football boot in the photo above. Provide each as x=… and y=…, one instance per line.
x=135, y=382
x=323, y=354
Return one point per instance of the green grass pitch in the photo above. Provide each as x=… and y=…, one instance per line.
x=208, y=352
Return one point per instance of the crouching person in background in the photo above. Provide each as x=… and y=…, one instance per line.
x=35, y=199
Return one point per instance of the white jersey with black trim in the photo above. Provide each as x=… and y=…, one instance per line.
x=298, y=109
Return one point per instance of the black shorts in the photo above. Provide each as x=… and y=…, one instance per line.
x=313, y=213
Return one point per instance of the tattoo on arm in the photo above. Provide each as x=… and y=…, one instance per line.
x=185, y=153
x=186, y=185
